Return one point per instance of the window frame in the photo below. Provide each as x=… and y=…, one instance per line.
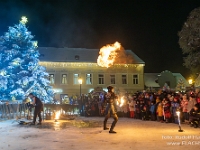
x=102, y=78
x=125, y=78
x=76, y=83
x=135, y=79
x=91, y=79
x=50, y=74
x=66, y=78
x=112, y=78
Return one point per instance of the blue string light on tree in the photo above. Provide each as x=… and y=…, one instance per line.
x=20, y=72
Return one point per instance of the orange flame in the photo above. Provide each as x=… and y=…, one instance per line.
x=107, y=54
x=57, y=115
x=120, y=102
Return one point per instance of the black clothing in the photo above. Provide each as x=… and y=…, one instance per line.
x=110, y=110
x=38, y=109
x=194, y=117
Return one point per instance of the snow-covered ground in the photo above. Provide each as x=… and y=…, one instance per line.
x=86, y=133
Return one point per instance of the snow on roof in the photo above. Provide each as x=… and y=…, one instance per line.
x=179, y=76
x=76, y=55
x=150, y=78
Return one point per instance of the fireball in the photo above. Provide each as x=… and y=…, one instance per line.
x=108, y=54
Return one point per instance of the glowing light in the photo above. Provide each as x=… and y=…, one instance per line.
x=35, y=44
x=57, y=115
x=24, y=20
x=57, y=90
x=121, y=102
x=190, y=81
x=80, y=81
x=179, y=121
x=108, y=54
x=3, y=72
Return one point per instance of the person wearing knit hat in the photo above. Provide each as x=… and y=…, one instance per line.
x=195, y=116
x=110, y=98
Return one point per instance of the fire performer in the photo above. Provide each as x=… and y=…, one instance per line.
x=110, y=98
x=38, y=108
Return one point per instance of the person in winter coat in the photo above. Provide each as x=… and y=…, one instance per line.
x=184, y=104
x=159, y=112
x=192, y=101
x=137, y=109
x=153, y=111
x=166, y=107
x=195, y=116
x=175, y=104
x=131, y=108
x=145, y=113
x=37, y=103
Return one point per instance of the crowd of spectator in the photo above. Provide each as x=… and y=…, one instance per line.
x=161, y=106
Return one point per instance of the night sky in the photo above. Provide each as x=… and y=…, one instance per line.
x=148, y=27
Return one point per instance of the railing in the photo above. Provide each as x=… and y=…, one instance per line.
x=21, y=110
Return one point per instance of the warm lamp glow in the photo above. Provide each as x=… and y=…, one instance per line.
x=80, y=81
x=190, y=81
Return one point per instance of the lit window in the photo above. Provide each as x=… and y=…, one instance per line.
x=124, y=79
x=112, y=79
x=64, y=79
x=135, y=79
x=101, y=79
x=76, y=77
x=51, y=78
x=88, y=78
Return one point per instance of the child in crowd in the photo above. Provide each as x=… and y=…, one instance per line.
x=175, y=104
x=145, y=113
x=166, y=107
x=137, y=109
x=159, y=112
x=131, y=108
x=153, y=111
x=184, y=104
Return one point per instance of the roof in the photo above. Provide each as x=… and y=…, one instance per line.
x=76, y=55
x=150, y=78
x=179, y=76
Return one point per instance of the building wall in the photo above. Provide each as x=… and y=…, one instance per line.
x=59, y=68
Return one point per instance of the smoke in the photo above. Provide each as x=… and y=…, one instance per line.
x=122, y=57
x=54, y=23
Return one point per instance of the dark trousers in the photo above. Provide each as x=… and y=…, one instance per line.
x=37, y=112
x=185, y=116
x=115, y=117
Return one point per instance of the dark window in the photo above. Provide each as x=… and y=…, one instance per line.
x=124, y=79
x=101, y=79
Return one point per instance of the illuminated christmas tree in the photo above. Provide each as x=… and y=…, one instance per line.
x=20, y=72
x=180, y=86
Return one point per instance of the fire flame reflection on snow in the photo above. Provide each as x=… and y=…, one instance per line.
x=57, y=115
x=113, y=53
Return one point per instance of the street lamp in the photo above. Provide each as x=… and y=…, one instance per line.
x=190, y=81
x=80, y=82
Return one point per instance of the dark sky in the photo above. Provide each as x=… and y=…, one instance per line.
x=148, y=27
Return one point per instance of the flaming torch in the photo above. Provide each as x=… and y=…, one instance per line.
x=120, y=102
